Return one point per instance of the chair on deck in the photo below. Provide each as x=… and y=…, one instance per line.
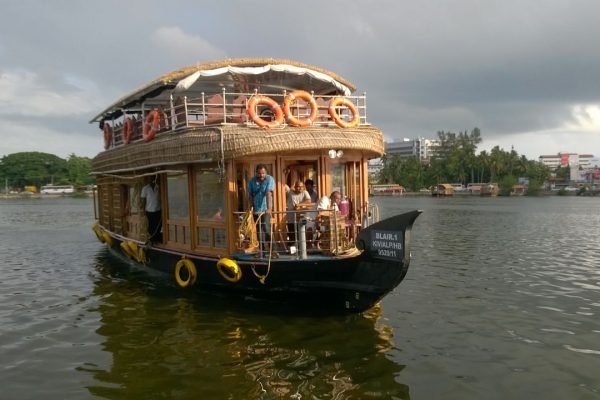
x=237, y=113
x=213, y=110
x=323, y=110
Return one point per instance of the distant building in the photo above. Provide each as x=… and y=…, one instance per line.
x=375, y=165
x=577, y=163
x=584, y=161
x=421, y=148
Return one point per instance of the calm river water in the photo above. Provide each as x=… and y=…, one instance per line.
x=502, y=301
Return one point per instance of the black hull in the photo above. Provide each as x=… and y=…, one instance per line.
x=342, y=284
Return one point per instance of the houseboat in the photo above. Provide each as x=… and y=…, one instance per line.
x=200, y=136
x=442, y=190
x=489, y=189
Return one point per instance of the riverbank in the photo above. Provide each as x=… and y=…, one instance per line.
x=27, y=195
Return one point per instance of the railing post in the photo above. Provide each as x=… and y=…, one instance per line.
x=302, y=239
x=185, y=110
x=224, y=106
x=173, y=119
x=365, y=103
x=204, y=116
x=335, y=232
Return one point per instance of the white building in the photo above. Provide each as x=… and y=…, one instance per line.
x=375, y=165
x=577, y=163
x=585, y=161
x=421, y=148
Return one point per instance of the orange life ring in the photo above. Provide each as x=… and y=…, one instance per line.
x=269, y=102
x=127, y=130
x=108, y=132
x=287, y=103
x=151, y=125
x=343, y=102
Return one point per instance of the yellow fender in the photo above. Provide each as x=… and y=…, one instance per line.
x=107, y=239
x=125, y=247
x=132, y=250
x=137, y=252
x=229, y=269
x=98, y=231
x=185, y=265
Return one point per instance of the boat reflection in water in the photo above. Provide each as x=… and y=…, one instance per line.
x=200, y=346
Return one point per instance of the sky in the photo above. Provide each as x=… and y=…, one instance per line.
x=525, y=72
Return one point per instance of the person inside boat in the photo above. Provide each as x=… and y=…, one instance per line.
x=260, y=197
x=324, y=206
x=331, y=202
x=151, y=205
x=296, y=199
x=310, y=188
x=218, y=215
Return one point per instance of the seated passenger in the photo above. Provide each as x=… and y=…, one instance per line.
x=331, y=202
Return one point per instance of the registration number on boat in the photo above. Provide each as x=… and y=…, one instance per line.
x=387, y=244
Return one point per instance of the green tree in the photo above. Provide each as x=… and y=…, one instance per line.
x=506, y=184
x=78, y=169
x=36, y=168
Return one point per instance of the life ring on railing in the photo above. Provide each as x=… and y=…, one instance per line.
x=287, y=103
x=151, y=126
x=108, y=132
x=98, y=232
x=187, y=266
x=229, y=269
x=343, y=102
x=127, y=130
x=269, y=102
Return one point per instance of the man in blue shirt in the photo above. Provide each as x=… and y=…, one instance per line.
x=260, y=196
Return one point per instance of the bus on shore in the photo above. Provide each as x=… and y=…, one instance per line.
x=57, y=189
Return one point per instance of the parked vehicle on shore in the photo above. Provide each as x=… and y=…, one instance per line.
x=57, y=189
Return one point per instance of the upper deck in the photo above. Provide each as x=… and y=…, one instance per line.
x=218, y=94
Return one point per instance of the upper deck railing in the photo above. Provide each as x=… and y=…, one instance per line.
x=226, y=108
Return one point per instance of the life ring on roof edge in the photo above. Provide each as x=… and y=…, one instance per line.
x=151, y=125
x=127, y=130
x=303, y=95
x=343, y=102
x=189, y=278
x=108, y=132
x=269, y=102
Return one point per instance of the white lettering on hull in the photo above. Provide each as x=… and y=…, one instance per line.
x=387, y=244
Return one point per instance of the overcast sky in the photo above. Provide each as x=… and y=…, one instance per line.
x=526, y=72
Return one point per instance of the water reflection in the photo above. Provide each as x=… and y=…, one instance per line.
x=166, y=345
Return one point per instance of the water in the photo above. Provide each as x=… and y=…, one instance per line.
x=501, y=302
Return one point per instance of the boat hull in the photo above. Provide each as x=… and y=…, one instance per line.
x=345, y=283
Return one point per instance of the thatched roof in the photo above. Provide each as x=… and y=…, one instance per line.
x=170, y=79
x=204, y=144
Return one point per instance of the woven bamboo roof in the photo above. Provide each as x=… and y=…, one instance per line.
x=204, y=144
x=170, y=79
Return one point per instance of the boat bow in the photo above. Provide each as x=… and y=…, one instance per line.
x=389, y=240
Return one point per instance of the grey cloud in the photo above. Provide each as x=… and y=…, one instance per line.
x=507, y=67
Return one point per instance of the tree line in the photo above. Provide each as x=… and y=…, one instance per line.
x=456, y=161
x=18, y=170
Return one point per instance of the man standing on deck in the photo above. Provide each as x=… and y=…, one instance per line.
x=260, y=196
x=151, y=205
